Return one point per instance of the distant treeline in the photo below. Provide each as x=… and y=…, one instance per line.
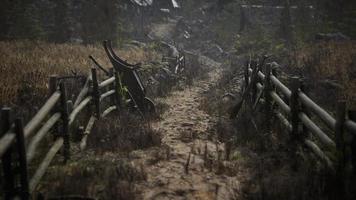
x=89, y=21
x=60, y=20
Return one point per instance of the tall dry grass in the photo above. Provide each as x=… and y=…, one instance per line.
x=26, y=65
x=331, y=61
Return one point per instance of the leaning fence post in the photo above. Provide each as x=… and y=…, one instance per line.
x=20, y=138
x=294, y=118
x=96, y=92
x=6, y=160
x=65, y=121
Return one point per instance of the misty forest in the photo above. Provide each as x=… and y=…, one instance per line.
x=178, y=99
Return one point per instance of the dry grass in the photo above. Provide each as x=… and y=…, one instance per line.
x=26, y=65
x=99, y=177
x=125, y=133
x=105, y=170
x=333, y=61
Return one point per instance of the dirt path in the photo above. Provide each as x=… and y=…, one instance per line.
x=185, y=128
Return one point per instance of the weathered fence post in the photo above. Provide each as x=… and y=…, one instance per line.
x=246, y=76
x=294, y=106
x=65, y=121
x=96, y=92
x=253, y=83
x=6, y=160
x=340, y=148
x=305, y=131
x=70, y=106
x=339, y=134
x=112, y=87
x=268, y=100
x=20, y=138
x=118, y=97
x=294, y=118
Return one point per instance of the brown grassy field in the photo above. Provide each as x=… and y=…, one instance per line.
x=26, y=65
x=331, y=61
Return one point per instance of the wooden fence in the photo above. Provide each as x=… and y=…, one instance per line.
x=57, y=117
x=179, y=62
x=297, y=112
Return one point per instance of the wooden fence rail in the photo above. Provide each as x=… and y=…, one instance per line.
x=57, y=117
x=297, y=111
x=55, y=112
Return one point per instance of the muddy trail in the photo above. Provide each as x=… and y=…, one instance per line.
x=190, y=163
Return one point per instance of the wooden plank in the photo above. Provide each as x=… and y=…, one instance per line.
x=316, y=130
x=41, y=114
x=107, y=82
x=261, y=75
x=8, y=181
x=321, y=113
x=280, y=102
x=117, y=88
x=83, y=93
x=89, y=127
x=284, y=120
x=22, y=162
x=294, y=107
x=5, y=142
x=259, y=95
x=107, y=94
x=236, y=108
x=96, y=92
x=246, y=76
x=305, y=132
x=253, y=95
x=267, y=97
x=45, y=163
x=284, y=89
x=351, y=126
x=317, y=151
x=108, y=111
x=259, y=86
x=339, y=134
x=65, y=121
x=31, y=150
x=79, y=108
